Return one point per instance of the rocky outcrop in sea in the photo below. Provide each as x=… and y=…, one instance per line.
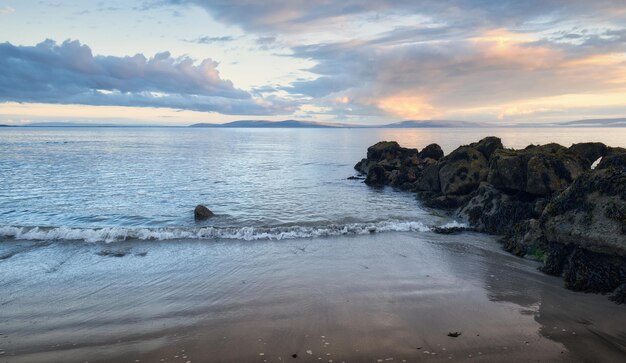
x=549, y=202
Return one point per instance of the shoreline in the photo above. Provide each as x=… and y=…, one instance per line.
x=372, y=297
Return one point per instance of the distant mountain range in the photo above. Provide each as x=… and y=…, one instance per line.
x=314, y=124
x=272, y=124
x=76, y=124
x=608, y=122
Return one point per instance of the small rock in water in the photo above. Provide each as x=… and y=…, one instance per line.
x=201, y=213
x=454, y=334
x=111, y=253
x=294, y=355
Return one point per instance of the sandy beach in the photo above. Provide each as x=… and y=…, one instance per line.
x=379, y=297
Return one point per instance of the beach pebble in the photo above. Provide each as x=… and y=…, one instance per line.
x=261, y=354
x=309, y=352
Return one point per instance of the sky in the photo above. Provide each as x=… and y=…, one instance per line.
x=178, y=62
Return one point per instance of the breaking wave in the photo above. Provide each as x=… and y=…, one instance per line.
x=115, y=234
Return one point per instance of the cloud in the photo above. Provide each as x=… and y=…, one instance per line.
x=68, y=73
x=7, y=10
x=212, y=40
x=306, y=15
x=446, y=76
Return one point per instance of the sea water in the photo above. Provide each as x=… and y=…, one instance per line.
x=109, y=184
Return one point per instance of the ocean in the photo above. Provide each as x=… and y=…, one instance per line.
x=107, y=184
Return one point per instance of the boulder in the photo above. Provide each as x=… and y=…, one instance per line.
x=492, y=211
x=589, y=151
x=526, y=238
x=432, y=151
x=614, y=161
x=376, y=176
x=389, y=151
x=429, y=179
x=488, y=146
x=591, y=213
x=462, y=171
x=538, y=170
x=201, y=213
x=585, y=270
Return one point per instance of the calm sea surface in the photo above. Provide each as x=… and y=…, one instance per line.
x=108, y=184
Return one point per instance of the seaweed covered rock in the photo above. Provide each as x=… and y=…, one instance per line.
x=589, y=151
x=462, y=171
x=591, y=213
x=376, y=176
x=526, y=239
x=492, y=211
x=488, y=146
x=429, y=179
x=539, y=170
x=614, y=161
x=388, y=163
x=432, y=151
x=585, y=270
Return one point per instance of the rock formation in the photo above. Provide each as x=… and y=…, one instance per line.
x=546, y=201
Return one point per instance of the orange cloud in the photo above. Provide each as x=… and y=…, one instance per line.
x=514, y=48
x=410, y=107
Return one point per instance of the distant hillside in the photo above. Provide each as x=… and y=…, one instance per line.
x=432, y=123
x=314, y=124
x=270, y=124
x=69, y=124
x=600, y=122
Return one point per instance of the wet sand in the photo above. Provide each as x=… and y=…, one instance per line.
x=387, y=297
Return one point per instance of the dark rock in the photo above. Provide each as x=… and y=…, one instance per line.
x=589, y=151
x=443, y=201
x=455, y=334
x=432, y=151
x=619, y=294
x=594, y=272
x=376, y=176
x=429, y=179
x=389, y=150
x=557, y=255
x=356, y=178
x=526, y=238
x=201, y=213
x=450, y=230
x=591, y=213
x=540, y=170
x=492, y=211
x=615, y=161
x=462, y=171
x=112, y=253
x=488, y=146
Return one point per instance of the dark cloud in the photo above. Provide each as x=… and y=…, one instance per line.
x=69, y=73
x=304, y=15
